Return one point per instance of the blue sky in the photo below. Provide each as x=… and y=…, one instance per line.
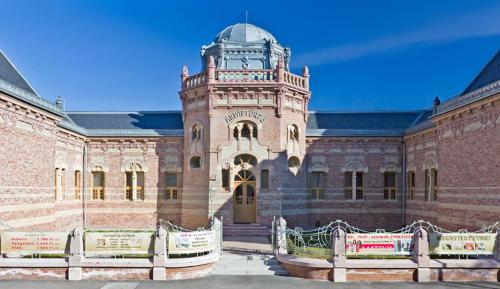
x=363, y=55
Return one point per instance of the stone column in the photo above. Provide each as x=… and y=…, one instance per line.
x=497, y=254
x=353, y=185
x=338, y=255
x=160, y=254
x=134, y=185
x=421, y=255
x=75, y=255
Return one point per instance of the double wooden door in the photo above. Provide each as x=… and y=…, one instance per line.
x=244, y=207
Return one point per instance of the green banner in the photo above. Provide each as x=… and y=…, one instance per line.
x=462, y=243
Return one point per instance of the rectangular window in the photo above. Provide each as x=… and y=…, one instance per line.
x=427, y=184
x=411, y=185
x=434, y=185
x=225, y=179
x=264, y=179
x=128, y=185
x=171, y=185
x=60, y=183
x=389, y=186
x=359, y=186
x=317, y=185
x=139, y=185
x=98, y=185
x=348, y=185
x=78, y=184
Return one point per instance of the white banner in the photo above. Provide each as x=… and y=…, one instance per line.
x=119, y=242
x=191, y=242
x=27, y=243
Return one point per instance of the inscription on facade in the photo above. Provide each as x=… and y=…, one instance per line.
x=244, y=113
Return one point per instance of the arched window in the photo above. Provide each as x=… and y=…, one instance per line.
x=293, y=132
x=195, y=133
x=245, y=159
x=195, y=162
x=245, y=129
x=293, y=163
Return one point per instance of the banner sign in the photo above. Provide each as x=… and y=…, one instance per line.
x=462, y=243
x=27, y=243
x=379, y=244
x=191, y=242
x=119, y=242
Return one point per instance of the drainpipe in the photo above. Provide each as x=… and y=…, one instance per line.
x=404, y=182
x=84, y=184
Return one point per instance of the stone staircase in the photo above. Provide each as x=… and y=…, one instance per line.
x=246, y=230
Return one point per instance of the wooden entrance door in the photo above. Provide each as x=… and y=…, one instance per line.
x=244, y=208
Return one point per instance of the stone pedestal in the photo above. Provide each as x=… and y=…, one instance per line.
x=339, y=259
x=421, y=255
x=160, y=256
x=497, y=254
x=281, y=236
x=75, y=255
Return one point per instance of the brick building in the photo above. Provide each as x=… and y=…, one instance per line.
x=245, y=146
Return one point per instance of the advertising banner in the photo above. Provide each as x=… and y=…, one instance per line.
x=27, y=243
x=379, y=244
x=462, y=243
x=191, y=242
x=119, y=242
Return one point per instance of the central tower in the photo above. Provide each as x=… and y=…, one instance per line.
x=244, y=129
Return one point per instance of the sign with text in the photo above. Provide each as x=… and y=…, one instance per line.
x=462, y=243
x=119, y=242
x=379, y=244
x=245, y=113
x=191, y=242
x=27, y=243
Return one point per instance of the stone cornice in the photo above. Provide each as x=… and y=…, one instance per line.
x=354, y=132
x=135, y=132
x=28, y=97
x=462, y=100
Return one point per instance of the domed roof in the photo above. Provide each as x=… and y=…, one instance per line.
x=244, y=33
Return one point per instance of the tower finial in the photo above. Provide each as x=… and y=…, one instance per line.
x=246, y=17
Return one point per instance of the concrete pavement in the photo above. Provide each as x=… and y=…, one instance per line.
x=231, y=282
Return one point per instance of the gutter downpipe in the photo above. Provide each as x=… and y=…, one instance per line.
x=84, y=183
x=404, y=182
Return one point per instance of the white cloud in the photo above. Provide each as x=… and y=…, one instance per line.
x=477, y=24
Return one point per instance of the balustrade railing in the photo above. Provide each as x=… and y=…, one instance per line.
x=249, y=75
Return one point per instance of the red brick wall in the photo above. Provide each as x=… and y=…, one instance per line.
x=465, y=145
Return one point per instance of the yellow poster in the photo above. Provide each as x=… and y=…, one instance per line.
x=191, y=242
x=462, y=243
x=119, y=242
x=27, y=243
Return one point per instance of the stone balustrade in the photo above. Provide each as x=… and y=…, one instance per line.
x=246, y=76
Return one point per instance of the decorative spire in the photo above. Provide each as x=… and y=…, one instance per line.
x=60, y=103
x=184, y=74
x=211, y=69
x=435, y=104
x=305, y=75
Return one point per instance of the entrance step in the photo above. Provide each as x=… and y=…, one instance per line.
x=246, y=230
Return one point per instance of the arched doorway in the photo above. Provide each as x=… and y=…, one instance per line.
x=244, y=208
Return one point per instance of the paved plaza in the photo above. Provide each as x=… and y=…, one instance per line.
x=231, y=282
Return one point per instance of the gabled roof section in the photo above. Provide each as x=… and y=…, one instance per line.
x=489, y=74
x=377, y=123
x=142, y=123
x=10, y=74
x=14, y=84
